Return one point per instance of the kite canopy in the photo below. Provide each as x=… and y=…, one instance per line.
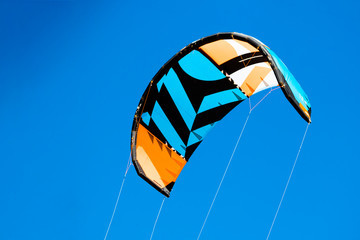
x=196, y=89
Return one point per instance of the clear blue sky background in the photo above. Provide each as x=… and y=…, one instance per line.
x=72, y=74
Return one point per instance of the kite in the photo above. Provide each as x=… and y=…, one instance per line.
x=193, y=91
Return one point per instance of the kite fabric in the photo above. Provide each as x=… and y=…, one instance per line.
x=196, y=89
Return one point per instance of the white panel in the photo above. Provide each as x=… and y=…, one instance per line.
x=268, y=82
x=240, y=50
x=148, y=167
x=240, y=76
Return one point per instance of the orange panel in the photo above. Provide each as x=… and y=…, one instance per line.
x=253, y=80
x=220, y=51
x=161, y=164
x=304, y=110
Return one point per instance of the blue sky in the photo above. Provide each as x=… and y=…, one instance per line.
x=72, y=74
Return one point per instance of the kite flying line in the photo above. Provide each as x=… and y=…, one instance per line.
x=287, y=183
x=222, y=179
x=118, y=197
x=232, y=155
x=162, y=203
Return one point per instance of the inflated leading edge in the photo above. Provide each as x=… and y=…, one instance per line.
x=194, y=90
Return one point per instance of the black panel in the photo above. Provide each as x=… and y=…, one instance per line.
x=170, y=186
x=213, y=115
x=190, y=150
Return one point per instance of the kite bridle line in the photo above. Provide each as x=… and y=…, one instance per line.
x=271, y=90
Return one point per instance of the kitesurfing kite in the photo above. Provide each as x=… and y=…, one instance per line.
x=194, y=90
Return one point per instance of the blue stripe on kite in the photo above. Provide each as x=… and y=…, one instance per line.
x=146, y=118
x=167, y=129
x=221, y=98
x=199, y=134
x=192, y=139
x=160, y=83
x=198, y=66
x=179, y=97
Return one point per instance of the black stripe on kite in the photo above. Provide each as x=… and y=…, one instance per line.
x=172, y=113
x=213, y=115
x=242, y=61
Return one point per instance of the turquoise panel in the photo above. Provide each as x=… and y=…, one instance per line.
x=199, y=134
x=179, y=96
x=192, y=139
x=221, y=98
x=198, y=66
x=160, y=83
x=146, y=118
x=166, y=128
x=295, y=87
